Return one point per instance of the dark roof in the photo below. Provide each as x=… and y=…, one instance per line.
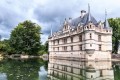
x=106, y=24
x=83, y=11
x=86, y=18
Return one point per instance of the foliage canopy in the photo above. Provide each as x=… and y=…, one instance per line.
x=115, y=24
x=25, y=38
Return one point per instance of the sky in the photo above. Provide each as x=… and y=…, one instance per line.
x=49, y=13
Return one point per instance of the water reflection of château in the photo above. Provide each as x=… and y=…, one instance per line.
x=76, y=70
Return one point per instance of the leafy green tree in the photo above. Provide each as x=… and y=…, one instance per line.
x=25, y=38
x=2, y=46
x=43, y=48
x=46, y=46
x=5, y=47
x=115, y=24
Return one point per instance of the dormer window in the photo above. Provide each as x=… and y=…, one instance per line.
x=90, y=26
x=87, y=27
x=65, y=27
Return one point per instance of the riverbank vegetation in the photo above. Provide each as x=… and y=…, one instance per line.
x=25, y=38
x=115, y=24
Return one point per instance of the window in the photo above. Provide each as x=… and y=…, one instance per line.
x=80, y=38
x=53, y=49
x=71, y=48
x=65, y=40
x=99, y=37
x=101, y=73
x=90, y=45
x=65, y=48
x=71, y=39
x=65, y=27
x=58, y=41
x=53, y=42
x=99, y=47
x=90, y=36
x=90, y=26
x=87, y=27
x=91, y=76
x=80, y=47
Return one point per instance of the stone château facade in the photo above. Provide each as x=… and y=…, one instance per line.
x=82, y=38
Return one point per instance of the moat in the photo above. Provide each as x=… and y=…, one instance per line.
x=38, y=69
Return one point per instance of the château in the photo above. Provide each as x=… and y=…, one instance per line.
x=82, y=38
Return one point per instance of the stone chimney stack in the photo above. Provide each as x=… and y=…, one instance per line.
x=70, y=19
x=83, y=12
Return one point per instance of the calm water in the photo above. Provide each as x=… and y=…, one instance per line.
x=38, y=69
x=22, y=69
x=77, y=70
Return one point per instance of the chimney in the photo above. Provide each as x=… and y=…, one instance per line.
x=83, y=12
x=70, y=19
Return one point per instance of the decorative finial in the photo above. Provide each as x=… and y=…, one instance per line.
x=89, y=15
x=88, y=8
x=51, y=30
x=105, y=14
x=106, y=24
x=65, y=22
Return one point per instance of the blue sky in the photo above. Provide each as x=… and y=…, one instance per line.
x=51, y=12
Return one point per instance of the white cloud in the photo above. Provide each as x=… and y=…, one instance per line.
x=50, y=12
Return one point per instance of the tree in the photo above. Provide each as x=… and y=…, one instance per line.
x=5, y=47
x=115, y=24
x=46, y=46
x=25, y=38
x=43, y=48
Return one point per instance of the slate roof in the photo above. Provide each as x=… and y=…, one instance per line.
x=84, y=20
x=73, y=23
x=106, y=24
